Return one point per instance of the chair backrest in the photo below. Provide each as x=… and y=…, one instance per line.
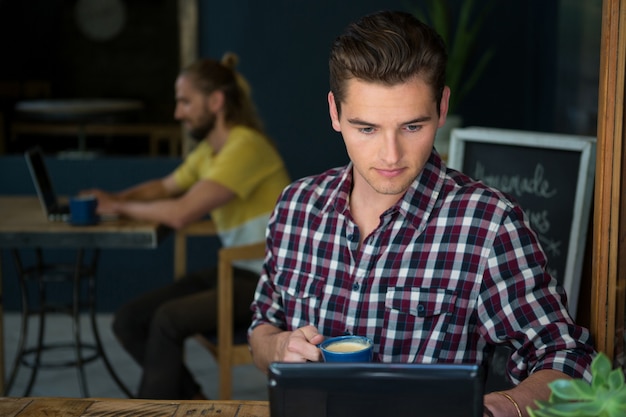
x=226, y=351
x=199, y=228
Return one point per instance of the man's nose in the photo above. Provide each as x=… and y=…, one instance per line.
x=390, y=149
x=177, y=113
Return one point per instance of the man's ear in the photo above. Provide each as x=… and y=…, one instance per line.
x=216, y=101
x=334, y=114
x=443, y=106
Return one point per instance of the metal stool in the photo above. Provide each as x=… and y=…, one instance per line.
x=81, y=277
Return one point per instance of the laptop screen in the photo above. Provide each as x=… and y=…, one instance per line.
x=375, y=389
x=43, y=184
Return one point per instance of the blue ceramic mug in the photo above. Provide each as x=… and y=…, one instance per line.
x=83, y=210
x=347, y=349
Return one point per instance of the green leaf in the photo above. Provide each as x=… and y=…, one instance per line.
x=571, y=390
x=540, y=413
x=441, y=19
x=578, y=409
x=615, y=380
x=615, y=404
x=460, y=38
x=472, y=79
x=620, y=396
x=604, y=397
x=600, y=369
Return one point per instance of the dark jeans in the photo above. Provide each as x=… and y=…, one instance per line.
x=154, y=326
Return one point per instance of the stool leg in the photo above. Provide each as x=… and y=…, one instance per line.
x=96, y=333
x=24, y=320
x=44, y=275
x=76, y=323
x=42, y=322
x=39, y=348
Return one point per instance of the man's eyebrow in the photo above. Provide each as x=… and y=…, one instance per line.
x=359, y=122
x=421, y=119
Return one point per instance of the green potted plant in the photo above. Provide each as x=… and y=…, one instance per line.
x=460, y=36
x=604, y=397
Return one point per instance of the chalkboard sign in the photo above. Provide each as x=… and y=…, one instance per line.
x=550, y=175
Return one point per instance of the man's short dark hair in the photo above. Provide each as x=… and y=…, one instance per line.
x=388, y=48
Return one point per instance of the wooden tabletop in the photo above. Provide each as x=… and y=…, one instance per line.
x=23, y=224
x=83, y=407
x=76, y=108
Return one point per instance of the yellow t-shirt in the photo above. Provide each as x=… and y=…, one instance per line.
x=251, y=167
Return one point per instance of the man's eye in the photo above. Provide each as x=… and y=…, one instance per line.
x=413, y=128
x=366, y=130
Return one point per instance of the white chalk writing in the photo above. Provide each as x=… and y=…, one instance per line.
x=518, y=185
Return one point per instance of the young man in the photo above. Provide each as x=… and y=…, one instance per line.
x=234, y=174
x=430, y=264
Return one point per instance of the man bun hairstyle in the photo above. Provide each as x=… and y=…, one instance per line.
x=209, y=75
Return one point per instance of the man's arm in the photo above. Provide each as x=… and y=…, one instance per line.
x=145, y=191
x=161, y=201
x=156, y=189
x=533, y=388
x=271, y=344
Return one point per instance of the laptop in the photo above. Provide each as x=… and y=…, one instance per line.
x=41, y=178
x=317, y=389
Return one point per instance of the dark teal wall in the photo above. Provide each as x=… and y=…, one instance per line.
x=283, y=47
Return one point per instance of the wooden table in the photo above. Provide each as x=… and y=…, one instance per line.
x=23, y=225
x=76, y=407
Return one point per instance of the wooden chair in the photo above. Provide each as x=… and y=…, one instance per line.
x=198, y=229
x=228, y=349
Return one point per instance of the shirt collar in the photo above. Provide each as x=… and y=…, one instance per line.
x=339, y=198
x=417, y=203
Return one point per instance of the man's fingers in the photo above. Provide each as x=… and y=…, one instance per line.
x=309, y=332
x=301, y=345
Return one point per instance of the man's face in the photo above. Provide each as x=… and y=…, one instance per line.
x=389, y=133
x=192, y=109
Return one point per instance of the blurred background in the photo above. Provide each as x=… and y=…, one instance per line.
x=542, y=75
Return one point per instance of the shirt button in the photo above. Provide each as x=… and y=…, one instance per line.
x=355, y=286
x=421, y=309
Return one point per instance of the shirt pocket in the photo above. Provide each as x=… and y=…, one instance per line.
x=420, y=302
x=415, y=318
x=301, y=295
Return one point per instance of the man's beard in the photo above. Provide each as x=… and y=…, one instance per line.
x=200, y=132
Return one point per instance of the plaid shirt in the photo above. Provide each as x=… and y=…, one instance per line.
x=452, y=270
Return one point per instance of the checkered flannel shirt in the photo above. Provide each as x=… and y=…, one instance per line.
x=452, y=270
